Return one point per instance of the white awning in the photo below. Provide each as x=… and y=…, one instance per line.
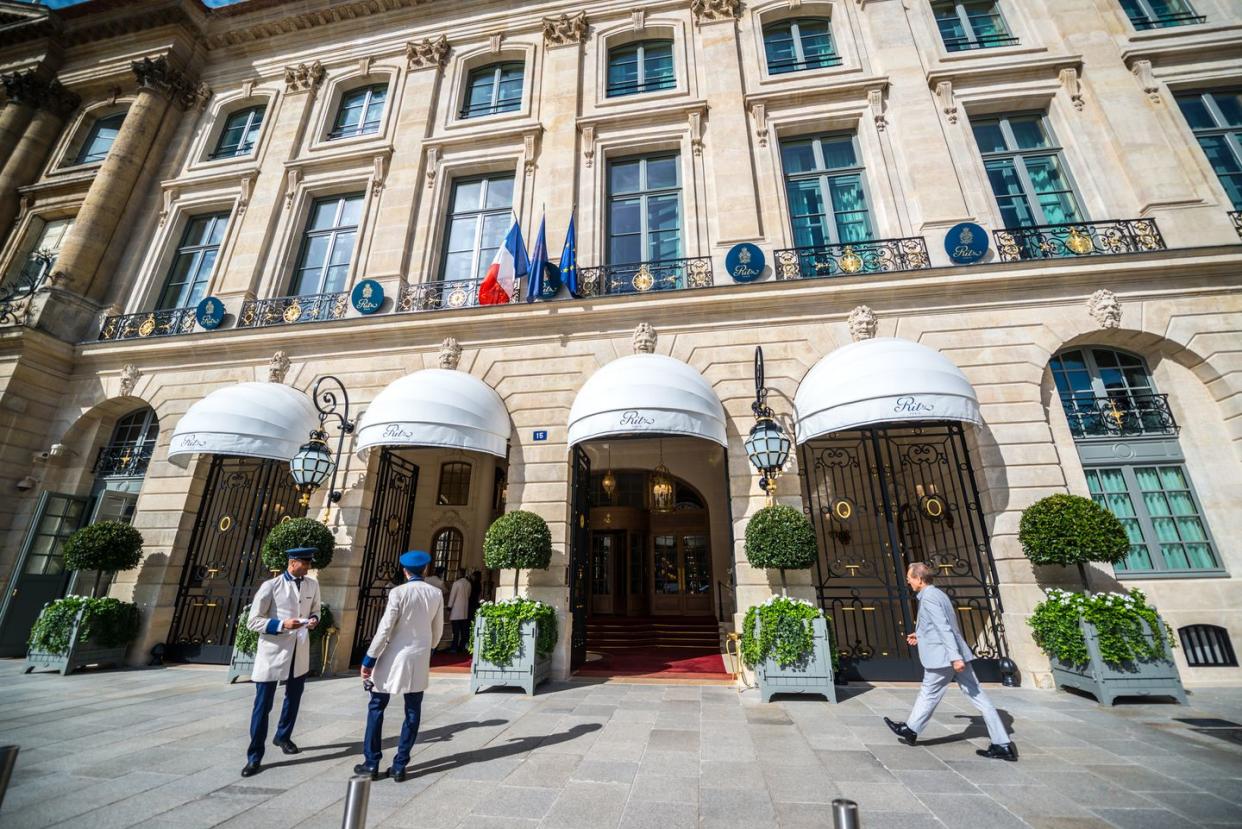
x=436, y=407
x=647, y=394
x=258, y=420
x=882, y=380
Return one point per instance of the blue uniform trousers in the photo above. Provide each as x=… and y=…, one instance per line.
x=264, y=697
x=372, y=743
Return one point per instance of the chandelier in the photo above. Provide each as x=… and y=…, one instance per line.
x=661, y=486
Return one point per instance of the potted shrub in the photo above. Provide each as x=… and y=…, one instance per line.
x=246, y=642
x=77, y=631
x=512, y=641
x=1107, y=644
x=784, y=640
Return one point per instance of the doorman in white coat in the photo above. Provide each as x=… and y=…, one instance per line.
x=945, y=657
x=284, y=611
x=399, y=662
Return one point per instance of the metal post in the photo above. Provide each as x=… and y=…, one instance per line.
x=844, y=814
x=356, y=796
x=8, y=759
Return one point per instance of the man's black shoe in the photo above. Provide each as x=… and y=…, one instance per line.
x=1008, y=751
x=251, y=769
x=287, y=746
x=398, y=775
x=902, y=731
x=363, y=768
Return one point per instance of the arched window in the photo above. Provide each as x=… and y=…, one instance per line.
x=360, y=112
x=446, y=549
x=454, y=484
x=645, y=66
x=795, y=45
x=492, y=89
x=99, y=139
x=128, y=452
x=241, y=131
x=1109, y=393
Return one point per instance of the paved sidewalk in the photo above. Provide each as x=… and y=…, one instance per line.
x=163, y=747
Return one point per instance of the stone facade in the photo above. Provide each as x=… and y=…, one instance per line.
x=1107, y=90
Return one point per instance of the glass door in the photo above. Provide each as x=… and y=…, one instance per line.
x=683, y=574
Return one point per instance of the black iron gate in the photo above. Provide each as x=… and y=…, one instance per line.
x=244, y=498
x=881, y=499
x=388, y=533
x=579, y=555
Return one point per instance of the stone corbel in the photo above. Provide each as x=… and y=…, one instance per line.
x=588, y=145
x=565, y=30
x=293, y=178
x=1069, y=80
x=304, y=78
x=379, y=170
x=166, y=204
x=875, y=98
x=433, y=164
x=759, y=113
x=364, y=65
x=245, y=190
x=638, y=19
x=695, y=118
x=1147, y=79
x=248, y=87
x=429, y=54
x=530, y=142
x=944, y=94
x=493, y=42
x=159, y=75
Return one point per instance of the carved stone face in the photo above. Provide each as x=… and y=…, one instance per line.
x=450, y=353
x=1105, y=309
x=644, y=339
x=862, y=323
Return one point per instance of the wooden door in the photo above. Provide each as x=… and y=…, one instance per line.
x=682, y=574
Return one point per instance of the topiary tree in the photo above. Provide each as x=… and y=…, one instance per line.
x=298, y=532
x=518, y=540
x=780, y=537
x=106, y=547
x=1071, y=530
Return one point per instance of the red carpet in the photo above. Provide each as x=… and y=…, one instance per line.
x=451, y=663
x=682, y=663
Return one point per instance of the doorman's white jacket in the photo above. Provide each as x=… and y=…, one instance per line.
x=411, y=626
x=279, y=649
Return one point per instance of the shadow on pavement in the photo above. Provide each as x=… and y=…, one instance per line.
x=517, y=745
x=443, y=734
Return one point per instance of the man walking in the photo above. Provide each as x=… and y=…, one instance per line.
x=459, y=612
x=945, y=656
x=283, y=612
x=399, y=661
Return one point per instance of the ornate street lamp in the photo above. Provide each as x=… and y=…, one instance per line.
x=314, y=464
x=767, y=445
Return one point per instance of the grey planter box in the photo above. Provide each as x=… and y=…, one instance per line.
x=525, y=671
x=1157, y=678
x=812, y=676
x=79, y=655
x=242, y=664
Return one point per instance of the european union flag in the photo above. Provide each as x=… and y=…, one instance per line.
x=538, y=265
x=569, y=260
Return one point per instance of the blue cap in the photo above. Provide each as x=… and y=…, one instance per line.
x=303, y=553
x=414, y=560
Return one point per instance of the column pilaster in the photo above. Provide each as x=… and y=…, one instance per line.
x=41, y=107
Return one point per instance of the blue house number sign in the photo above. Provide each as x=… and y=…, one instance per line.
x=541, y=435
x=744, y=262
x=368, y=296
x=966, y=243
x=209, y=313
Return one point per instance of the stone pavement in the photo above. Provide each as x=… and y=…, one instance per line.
x=163, y=747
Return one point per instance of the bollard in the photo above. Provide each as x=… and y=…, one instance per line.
x=356, y=797
x=8, y=759
x=844, y=814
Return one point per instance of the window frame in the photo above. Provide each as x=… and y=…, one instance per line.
x=456, y=546
x=250, y=111
x=824, y=175
x=642, y=86
x=497, y=68
x=973, y=41
x=1019, y=157
x=1231, y=134
x=1152, y=20
x=18, y=273
x=335, y=131
x=480, y=215
x=833, y=58
x=197, y=253
x=454, y=477
x=644, y=196
x=335, y=231
x=80, y=157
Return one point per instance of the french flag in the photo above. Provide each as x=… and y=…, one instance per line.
x=511, y=262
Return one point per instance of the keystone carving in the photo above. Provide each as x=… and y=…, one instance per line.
x=862, y=323
x=29, y=89
x=129, y=379
x=709, y=11
x=427, y=53
x=161, y=76
x=565, y=30
x=450, y=353
x=278, y=367
x=303, y=78
x=644, y=339
x=1105, y=309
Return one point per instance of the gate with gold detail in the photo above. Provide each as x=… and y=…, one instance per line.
x=243, y=499
x=884, y=497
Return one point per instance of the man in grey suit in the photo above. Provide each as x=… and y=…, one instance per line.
x=945, y=656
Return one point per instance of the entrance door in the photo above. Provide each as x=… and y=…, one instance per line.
x=388, y=534
x=39, y=576
x=880, y=499
x=608, y=569
x=683, y=574
x=243, y=500
x=579, y=552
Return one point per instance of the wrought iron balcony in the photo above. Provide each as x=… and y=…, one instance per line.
x=163, y=323
x=16, y=294
x=1104, y=238
x=289, y=310
x=1163, y=21
x=646, y=277
x=780, y=67
x=1119, y=415
x=963, y=44
x=444, y=294
x=1236, y=215
x=875, y=256
x=123, y=460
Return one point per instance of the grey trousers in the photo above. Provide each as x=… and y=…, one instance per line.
x=936, y=682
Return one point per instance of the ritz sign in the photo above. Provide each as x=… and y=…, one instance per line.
x=368, y=296
x=966, y=243
x=745, y=262
x=912, y=406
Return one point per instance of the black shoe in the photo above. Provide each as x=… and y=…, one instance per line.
x=287, y=746
x=363, y=768
x=397, y=775
x=1008, y=751
x=902, y=731
x=251, y=769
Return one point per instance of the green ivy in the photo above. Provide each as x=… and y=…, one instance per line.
x=785, y=632
x=502, y=635
x=780, y=537
x=518, y=540
x=1121, y=620
x=298, y=532
x=1071, y=530
x=247, y=641
x=106, y=621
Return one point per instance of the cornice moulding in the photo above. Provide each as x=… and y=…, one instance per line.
x=660, y=113
x=852, y=88
x=999, y=73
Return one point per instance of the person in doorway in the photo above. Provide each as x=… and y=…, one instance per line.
x=945, y=657
x=283, y=612
x=459, y=612
x=476, y=592
x=399, y=662
x=436, y=580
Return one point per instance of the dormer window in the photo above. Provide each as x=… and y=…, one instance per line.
x=493, y=89
x=635, y=68
x=241, y=131
x=99, y=139
x=360, y=112
x=795, y=45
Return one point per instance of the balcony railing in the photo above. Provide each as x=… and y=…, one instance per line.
x=876, y=256
x=1236, y=215
x=780, y=67
x=1078, y=239
x=1162, y=21
x=1119, y=415
x=445, y=294
x=289, y=310
x=16, y=293
x=488, y=108
x=646, y=277
x=123, y=460
x=964, y=44
x=164, y=323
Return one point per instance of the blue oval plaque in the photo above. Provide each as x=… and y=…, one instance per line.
x=209, y=313
x=368, y=296
x=966, y=243
x=745, y=262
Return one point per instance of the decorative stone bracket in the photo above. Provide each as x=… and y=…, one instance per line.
x=948, y=103
x=695, y=117
x=1073, y=86
x=433, y=165
x=877, y=102
x=159, y=75
x=379, y=171
x=759, y=114
x=1143, y=73
x=713, y=11
x=566, y=30
x=293, y=179
x=530, y=144
x=588, y=145
x=304, y=78
x=427, y=54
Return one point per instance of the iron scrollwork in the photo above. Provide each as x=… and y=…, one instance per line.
x=289, y=310
x=848, y=259
x=1119, y=415
x=163, y=323
x=444, y=294
x=646, y=277
x=1105, y=238
x=16, y=296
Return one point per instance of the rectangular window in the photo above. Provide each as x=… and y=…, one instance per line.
x=644, y=210
x=454, y=484
x=240, y=133
x=99, y=139
x=827, y=198
x=480, y=213
x=1158, y=508
x=1216, y=119
x=1026, y=171
x=795, y=45
x=493, y=89
x=191, y=269
x=640, y=67
x=1159, y=14
x=40, y=253
x=361, y=112
x=328, y=245
x=971, y=24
